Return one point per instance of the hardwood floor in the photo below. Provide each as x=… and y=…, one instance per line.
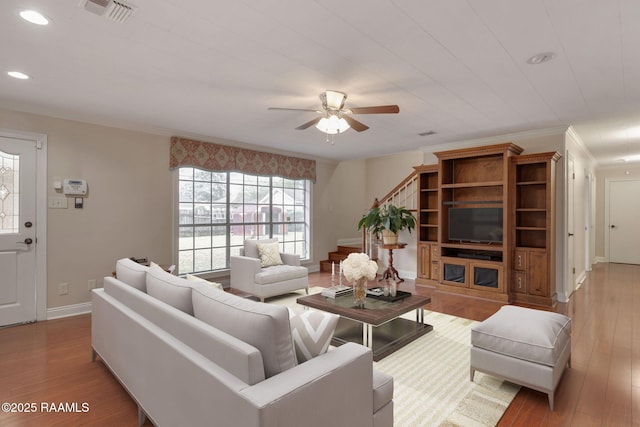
x=50, y=362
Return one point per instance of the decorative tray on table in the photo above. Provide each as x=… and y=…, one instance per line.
x=378, y=293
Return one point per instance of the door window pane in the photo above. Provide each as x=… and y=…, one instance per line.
x=9, y=193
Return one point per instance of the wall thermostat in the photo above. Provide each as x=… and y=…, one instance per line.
x=74, y=187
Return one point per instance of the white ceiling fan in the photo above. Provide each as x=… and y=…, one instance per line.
x=335, y=118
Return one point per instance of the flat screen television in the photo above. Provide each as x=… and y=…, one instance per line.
x=482, y=225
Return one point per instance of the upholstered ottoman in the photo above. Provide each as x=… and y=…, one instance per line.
x=525, y=346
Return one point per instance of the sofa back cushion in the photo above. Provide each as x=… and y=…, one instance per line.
x=231, y=354
x=132, y=273
x=170, y=289
x=264, y=326
x=251, y=246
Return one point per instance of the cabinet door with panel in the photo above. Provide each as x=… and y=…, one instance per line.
x=538, y=277
x=424, y=261
x=486, y=276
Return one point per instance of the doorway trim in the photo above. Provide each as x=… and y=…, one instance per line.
x=41, y=214
x=607, y=207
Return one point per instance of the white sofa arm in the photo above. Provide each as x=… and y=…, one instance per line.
x=243, y=273
x=335, y=388
x=290, y=259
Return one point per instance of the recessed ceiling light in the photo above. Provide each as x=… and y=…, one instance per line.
x=34, y=17
x=18, y=75
x=540, y=58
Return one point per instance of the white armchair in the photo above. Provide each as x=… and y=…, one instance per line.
x=248, y=274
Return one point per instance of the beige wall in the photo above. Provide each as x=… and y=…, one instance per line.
x=128, y=211
x=129, y=208
x=338, y=202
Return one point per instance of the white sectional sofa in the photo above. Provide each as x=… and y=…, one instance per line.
x=182, y=370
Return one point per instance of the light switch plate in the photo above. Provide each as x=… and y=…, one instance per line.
x=57, y=203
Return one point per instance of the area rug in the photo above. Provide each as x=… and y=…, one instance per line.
x=431, y=376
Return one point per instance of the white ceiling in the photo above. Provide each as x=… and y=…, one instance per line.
x=211, y=69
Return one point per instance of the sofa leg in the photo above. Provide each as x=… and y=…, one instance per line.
x=550, y=400
x=472, y=372
x=142, y=417
x=306, y=290
x=94, y=354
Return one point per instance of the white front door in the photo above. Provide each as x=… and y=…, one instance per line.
x=17, y=231
x=624, y=232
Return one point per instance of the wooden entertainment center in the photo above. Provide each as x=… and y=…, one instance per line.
x=512, y=260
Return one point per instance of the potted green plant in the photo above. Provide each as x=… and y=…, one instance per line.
x=388, y=220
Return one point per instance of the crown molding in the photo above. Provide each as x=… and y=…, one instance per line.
x=511, y=137
x=580, y=143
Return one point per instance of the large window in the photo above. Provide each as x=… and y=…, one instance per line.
x=219, y=210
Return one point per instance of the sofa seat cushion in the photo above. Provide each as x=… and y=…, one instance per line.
x=132, y=273
x=264, y=326
x=170, y=289
x=382, y=389
x=280, y=273
x=533, y=335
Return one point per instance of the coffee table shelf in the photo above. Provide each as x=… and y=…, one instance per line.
x=377, y=326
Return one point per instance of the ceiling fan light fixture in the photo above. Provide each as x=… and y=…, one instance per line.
x=332, y=125
x=334, y=99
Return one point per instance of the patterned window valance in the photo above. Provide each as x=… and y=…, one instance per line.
x=215, y=157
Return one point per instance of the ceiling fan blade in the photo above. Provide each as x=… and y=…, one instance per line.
x=380, y=109
x=355, y=125
x=294, y=109
x=309, y=123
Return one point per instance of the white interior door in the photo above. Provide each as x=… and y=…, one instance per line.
x=17, y=231
x=624, y=233
x=571, y=266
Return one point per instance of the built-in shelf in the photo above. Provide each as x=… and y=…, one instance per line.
x=521, y=268
x=531, y=183
x=473, y=184
x=471, y=202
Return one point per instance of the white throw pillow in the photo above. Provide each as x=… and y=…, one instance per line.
x=170, y=289
x=269, y=254
x=311, y=332
x=192, y=278
x=132, y=273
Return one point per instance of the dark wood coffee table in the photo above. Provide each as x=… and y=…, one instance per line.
x=377, y=326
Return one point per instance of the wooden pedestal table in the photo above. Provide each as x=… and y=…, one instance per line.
x=390, y=272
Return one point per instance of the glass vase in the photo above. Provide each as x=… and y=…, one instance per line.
x=360, y=292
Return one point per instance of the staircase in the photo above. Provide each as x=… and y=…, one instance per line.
x=340, y=254
x=404, y=194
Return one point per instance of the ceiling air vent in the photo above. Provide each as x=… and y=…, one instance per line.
x=111, y=9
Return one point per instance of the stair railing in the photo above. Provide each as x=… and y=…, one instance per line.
x=404, y=194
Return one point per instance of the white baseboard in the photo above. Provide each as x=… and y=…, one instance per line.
x=313, y=268
x=68, y=310
x=600, y=259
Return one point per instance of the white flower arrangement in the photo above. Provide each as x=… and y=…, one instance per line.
x=358, y=266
